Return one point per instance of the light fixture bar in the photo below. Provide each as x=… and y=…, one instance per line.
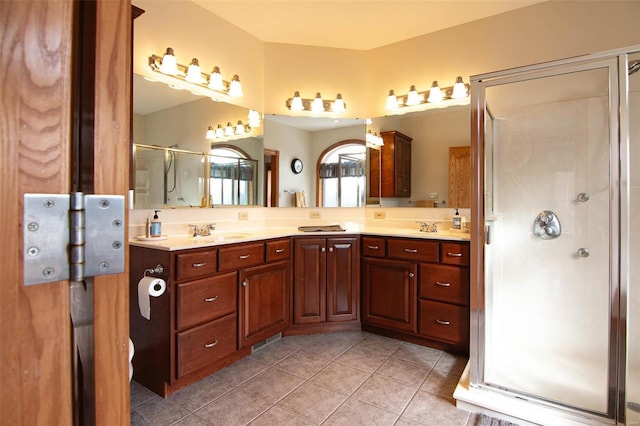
x=434, y=96
x=193, y=76
x=229, y=131
x=297, y=103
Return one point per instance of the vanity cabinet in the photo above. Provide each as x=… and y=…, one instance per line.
x=417, y=290
x=265, y=295
x=326, y=280
x=395, y=164
x=218, y=302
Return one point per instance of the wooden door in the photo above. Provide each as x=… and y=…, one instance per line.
x=460, y=176
x=264, y=302
x=343, y=279
x=36, y=39
x=389, y=294
x=309, y=281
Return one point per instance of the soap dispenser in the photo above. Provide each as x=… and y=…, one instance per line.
x=156, y=225
x=457, y=220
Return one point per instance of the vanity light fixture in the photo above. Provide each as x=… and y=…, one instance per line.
x=192, y=78
x=435, y=97
x=373, y=140
x=228, y=131
x=317, y=104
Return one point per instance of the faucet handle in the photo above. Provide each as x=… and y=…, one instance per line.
x=196, y=230
x=424, y=226
x=211, y=226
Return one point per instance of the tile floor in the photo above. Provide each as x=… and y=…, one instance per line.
x=347, y=378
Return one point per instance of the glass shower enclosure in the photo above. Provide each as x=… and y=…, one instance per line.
x=551, y=282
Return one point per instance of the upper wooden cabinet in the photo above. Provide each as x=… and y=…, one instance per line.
x=395, y=165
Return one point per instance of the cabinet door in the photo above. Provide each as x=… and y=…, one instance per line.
x=403, y=167
x=389, y=294
x=343, y=278
x=264, y=301
x=309, y=281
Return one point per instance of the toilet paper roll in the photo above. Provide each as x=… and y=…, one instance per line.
x=149, y=286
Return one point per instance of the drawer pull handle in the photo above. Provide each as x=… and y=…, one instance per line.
x=210, y=345
x=438, y=283
x=442, y=322
x=454, y=254
x=199, y=265
x=210, y=299
x=373, y=247
x=244, y=256
x=280, y=250
x=411, y=250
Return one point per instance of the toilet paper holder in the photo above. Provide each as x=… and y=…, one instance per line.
x=157, y=270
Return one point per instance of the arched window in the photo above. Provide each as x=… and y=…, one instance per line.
x=233, y=178
x=341, y=175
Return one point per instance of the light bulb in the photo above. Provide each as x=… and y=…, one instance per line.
x=435, y=94
x=413, y=98
x=235, y=88
x=338, y=104
x=169, y=64
x=210, y=133
x=193, y=73
x=228, y=131
x=215, y=80
x=240, y=130
x=318, y=104
x=254, y=118
x=392, y=100
x=459, y=89
x=296, y=102
x=219, y=132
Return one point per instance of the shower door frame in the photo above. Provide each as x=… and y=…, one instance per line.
x=617, y=62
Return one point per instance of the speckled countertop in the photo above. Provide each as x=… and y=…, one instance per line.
x=230, y=236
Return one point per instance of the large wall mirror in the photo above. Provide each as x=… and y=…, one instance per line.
x=176, y=177
x=440, y=159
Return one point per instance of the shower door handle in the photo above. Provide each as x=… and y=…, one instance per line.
x=546, y=226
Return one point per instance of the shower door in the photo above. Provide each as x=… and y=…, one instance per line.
x=549, y=306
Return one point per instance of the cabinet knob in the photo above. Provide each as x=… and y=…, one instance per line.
x=245, y=283
x=411, y=275
x=330, y=249
x=322, y=249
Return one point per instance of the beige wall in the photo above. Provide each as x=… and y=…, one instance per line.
x=271, y=72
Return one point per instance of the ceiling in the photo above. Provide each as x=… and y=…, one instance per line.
x=352, y=24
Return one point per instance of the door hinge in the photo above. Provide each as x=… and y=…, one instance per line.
x=72, y=236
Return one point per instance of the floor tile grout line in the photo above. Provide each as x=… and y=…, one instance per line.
x=404, y=409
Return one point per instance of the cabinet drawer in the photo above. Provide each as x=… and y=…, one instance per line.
x=206, y=299
x=444, y=322
x=444, y=283
x=278, y=250
x=373, y=247
x=426, y=251
x=206, y=344
x=241, y=256
x=455, y=253
x=195, y=264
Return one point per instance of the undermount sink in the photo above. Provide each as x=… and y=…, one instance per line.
x=225, y=236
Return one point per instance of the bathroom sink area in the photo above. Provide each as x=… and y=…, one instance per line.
x=224, y=236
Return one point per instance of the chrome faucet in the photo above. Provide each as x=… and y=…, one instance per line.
x=204, y=231
x=425, y=227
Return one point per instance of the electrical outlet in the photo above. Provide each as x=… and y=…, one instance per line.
x=378, y=214
x=243, y=215
x=433, y=195
x=314, y=214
